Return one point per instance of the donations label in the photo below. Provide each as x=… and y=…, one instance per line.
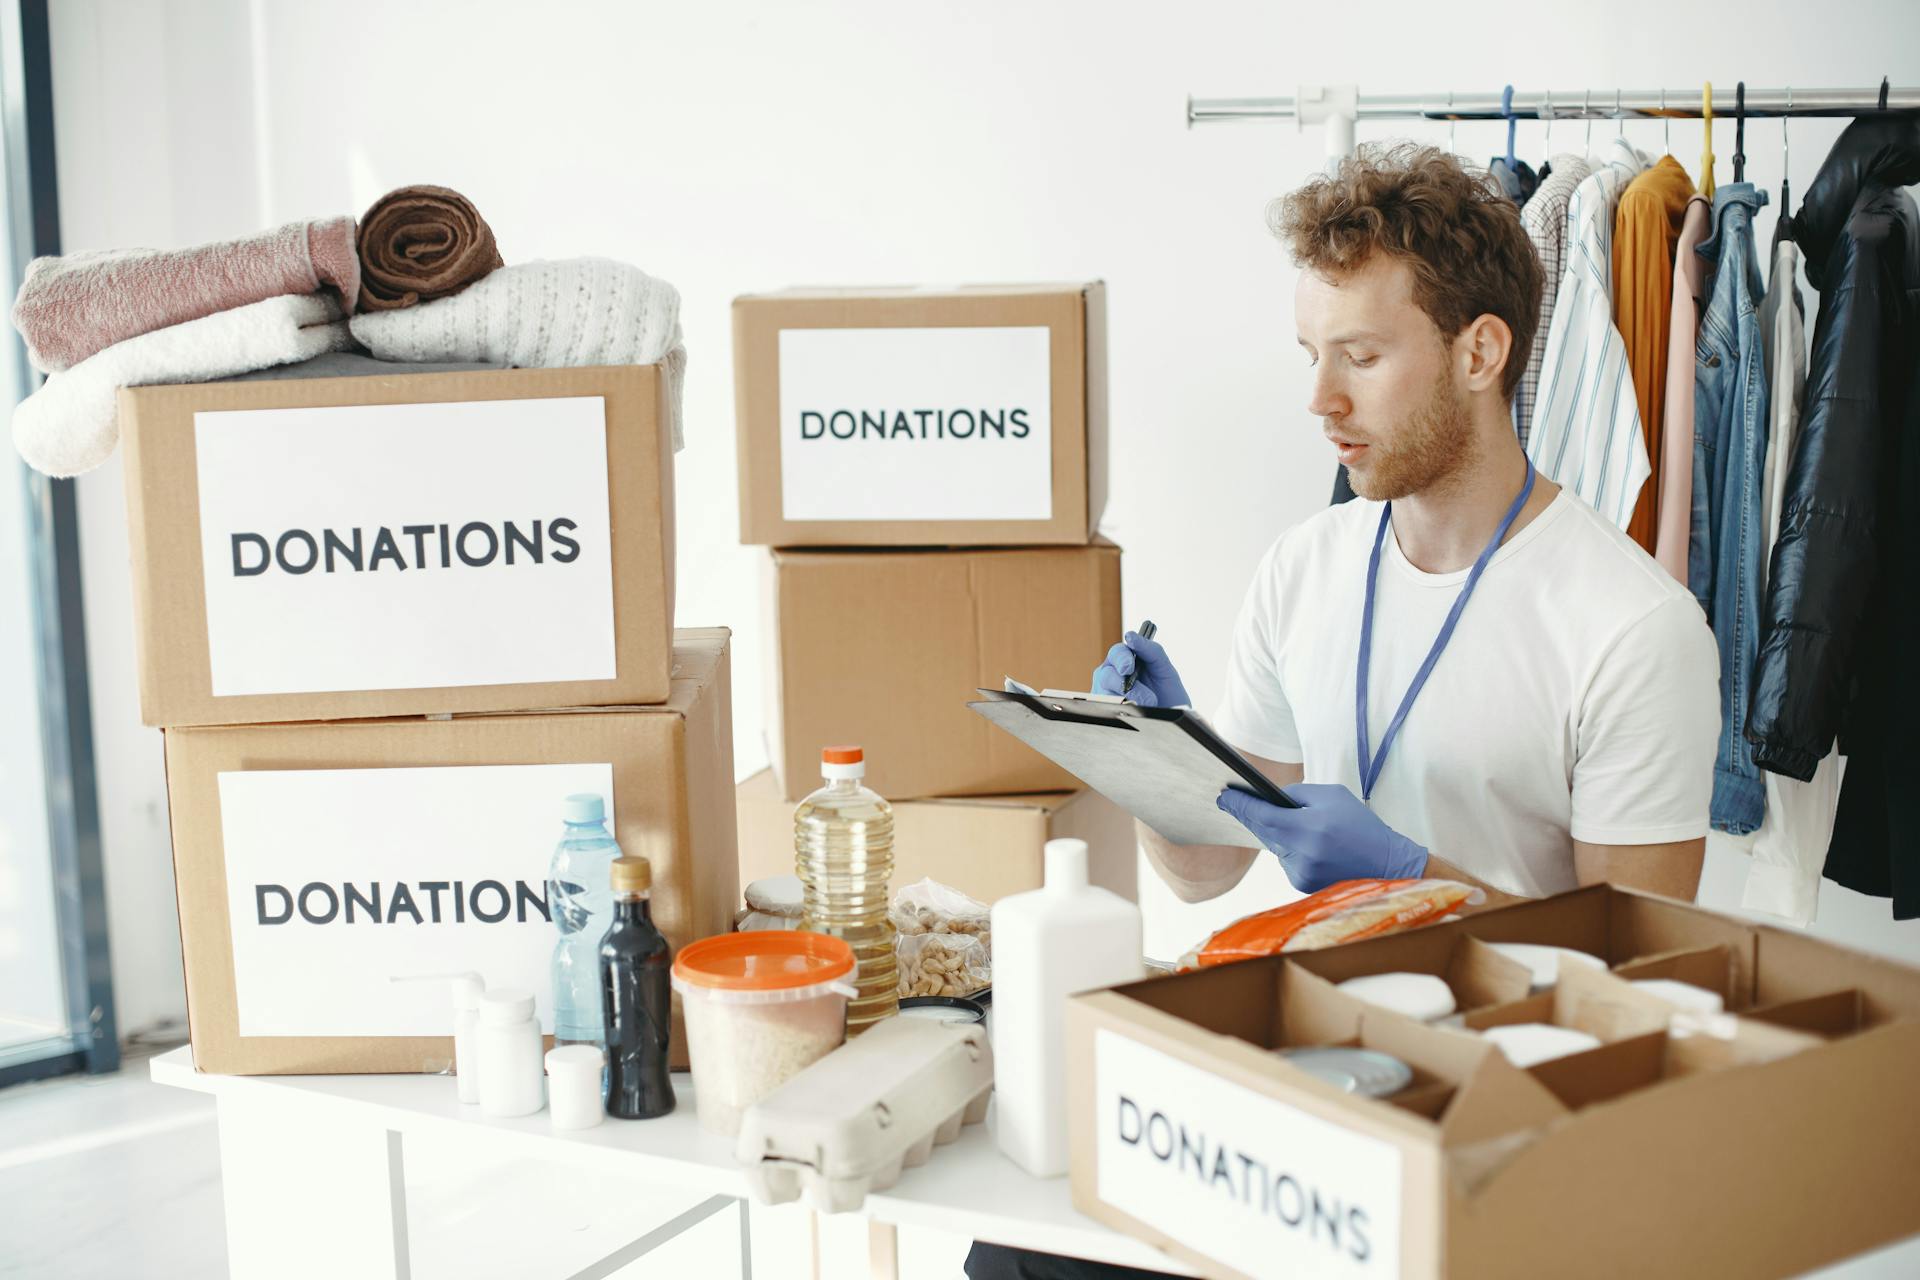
x=406, y=546
x=340, y=880
x=1263, y=1187
x=916, y=423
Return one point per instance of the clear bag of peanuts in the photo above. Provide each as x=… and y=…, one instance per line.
x=942, y=940
x=941, y=964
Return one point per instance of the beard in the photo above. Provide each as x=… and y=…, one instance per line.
x=1434, y=442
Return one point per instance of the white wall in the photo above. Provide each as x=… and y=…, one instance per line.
x=733, y=147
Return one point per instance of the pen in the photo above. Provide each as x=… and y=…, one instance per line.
x=1147, y=631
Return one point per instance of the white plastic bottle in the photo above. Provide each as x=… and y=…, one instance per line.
x=512, y=1078
x=1048, y=944
x=467, y=989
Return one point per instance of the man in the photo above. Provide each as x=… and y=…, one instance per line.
x=1564, y=733
x=1541, y=698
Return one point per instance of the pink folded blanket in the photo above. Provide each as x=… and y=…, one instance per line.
x=71, y=307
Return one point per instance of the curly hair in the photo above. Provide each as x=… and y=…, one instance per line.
x=1455, y=230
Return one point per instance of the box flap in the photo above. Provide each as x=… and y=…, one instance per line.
x=913, y=291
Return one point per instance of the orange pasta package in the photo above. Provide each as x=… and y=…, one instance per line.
x=1344, y=912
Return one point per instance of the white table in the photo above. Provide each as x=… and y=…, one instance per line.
x=320, y=1160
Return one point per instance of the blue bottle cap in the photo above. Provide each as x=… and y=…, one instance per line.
x=585, y=807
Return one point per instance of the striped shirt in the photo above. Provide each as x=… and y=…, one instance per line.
x=1586, y=431
x=1545, y=218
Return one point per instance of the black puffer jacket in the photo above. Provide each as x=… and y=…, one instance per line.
x=1840, y=637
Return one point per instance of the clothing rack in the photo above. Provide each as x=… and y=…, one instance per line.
x=1339, y=106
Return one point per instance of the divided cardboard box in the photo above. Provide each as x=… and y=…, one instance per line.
x=317, y=863
x=328, y=548
x=1763, y=1142
x=987, y=848
x=967, y=416
x=886, y=648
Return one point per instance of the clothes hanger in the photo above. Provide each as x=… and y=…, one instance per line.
x=1506, y=109
x=1706, y=140
x=1619, y=121
x=1740, y=131
x=1883, y=93
x=1586, y=109
x=1546, y=113
x=1783, y=227
x=1453, y=127
x=1666, y=122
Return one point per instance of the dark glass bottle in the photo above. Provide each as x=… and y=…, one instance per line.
x=634, y=966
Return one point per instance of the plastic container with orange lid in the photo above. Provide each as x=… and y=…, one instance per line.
x=760, y=1006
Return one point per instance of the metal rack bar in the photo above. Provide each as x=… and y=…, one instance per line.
x=1571, y=104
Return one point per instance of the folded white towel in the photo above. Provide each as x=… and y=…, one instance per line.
x=543, y=315
x=71, y=423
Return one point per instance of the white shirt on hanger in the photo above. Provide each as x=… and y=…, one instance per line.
x=1586, y=432
x=1790, y=848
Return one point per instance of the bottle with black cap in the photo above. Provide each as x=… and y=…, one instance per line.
x=635, y=965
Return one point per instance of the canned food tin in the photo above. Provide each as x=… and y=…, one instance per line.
x=1367, y=1072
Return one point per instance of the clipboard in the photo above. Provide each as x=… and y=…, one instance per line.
x=1164, y=765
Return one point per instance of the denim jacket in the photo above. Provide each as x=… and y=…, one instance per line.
x=1728, y=541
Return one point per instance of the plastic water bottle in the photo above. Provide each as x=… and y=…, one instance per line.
x=580, y=897
x=843, y=854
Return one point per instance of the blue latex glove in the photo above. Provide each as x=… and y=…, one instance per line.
x=1157, y=685
x=1332, y=837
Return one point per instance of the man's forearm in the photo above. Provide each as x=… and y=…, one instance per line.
x=1441, y=869
x=1195, y=872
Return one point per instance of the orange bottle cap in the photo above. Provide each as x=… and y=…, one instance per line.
x=843, y=755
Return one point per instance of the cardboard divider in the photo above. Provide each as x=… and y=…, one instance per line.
x=1239, y=1000
x=1838, y=1013
x=1478, y=976
x=1709, y=968
x=1604, y=1006
x=1582, y=1079
x=1461, y=1083
x=1792, y=966
x=1624, y=928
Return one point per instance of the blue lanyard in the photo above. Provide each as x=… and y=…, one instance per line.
x=1370, y=764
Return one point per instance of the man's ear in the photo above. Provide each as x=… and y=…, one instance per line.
x=1486, y=345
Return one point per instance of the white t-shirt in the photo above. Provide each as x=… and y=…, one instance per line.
x=1578, y=699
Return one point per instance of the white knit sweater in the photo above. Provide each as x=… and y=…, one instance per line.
x=579, y=311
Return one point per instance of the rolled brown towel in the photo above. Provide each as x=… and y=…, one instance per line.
x=420, y=243
x=70, y=308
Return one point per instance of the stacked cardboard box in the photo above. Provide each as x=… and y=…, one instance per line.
x=354, y=597
x=927, y=468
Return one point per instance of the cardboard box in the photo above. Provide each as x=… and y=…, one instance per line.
x=317, y=862
x=886, y=648
x=1765, y=1143
x=327, y=548
x=970, y=416
x=986, y=847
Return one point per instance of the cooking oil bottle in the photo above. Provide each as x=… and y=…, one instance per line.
x=843, y=853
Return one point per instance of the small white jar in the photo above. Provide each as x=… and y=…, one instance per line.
x=575, y=1099
x=509, y=1036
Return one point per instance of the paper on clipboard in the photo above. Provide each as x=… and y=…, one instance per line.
x=1163, y=765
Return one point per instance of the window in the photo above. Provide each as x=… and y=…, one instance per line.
x=56, y=1004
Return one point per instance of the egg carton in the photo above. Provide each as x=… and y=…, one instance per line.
x=852, y=1122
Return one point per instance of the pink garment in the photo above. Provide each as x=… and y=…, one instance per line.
x=72, y=307
x=1675, y=529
